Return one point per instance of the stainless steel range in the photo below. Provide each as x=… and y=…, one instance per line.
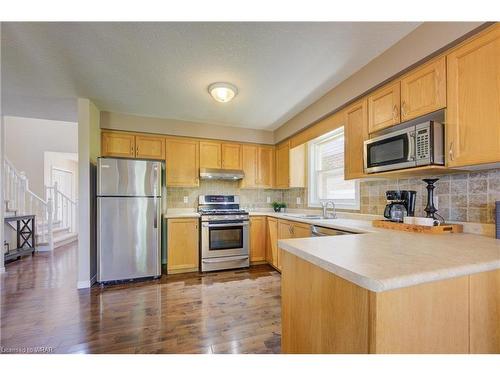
x=224, y=233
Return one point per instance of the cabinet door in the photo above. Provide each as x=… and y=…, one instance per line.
x=257, y=238
x=210, y=155
x=272, y=241
x=250, y=166
x=383, y=107
x=120, y=145
x=282, y=179
x=298, y=166
x=355, y=133
x=182, y=162
x=265, y=166
x=285, y=230
x=473, y=115
x=301, y=230
x=150, y=147
x=424, y=90
x=231, y=156
x=182, y=245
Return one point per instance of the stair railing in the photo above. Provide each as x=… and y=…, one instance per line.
x=19, y=197
x=64, y=208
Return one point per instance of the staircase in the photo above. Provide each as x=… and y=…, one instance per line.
x=55, y=214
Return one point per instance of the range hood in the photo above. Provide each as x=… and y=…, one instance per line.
x=221, y=174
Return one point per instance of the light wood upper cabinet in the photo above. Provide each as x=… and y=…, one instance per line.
x=249, y=166
x=117, y=144
x=473, y=114
x=272, y=241
x=282, y=179
x=150, y=147
x=423, y=90
x=231, y=156
x=257, y=238
x=182, y=158
x=210, y=154
x=355, y=132
x=182, y=245
x=265, y=169
x=298, y=166
x=383, y=107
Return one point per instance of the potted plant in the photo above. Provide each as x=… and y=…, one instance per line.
x=277, y=206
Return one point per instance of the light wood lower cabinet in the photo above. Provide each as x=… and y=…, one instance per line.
x=182, y=157
x=257, y=238
x=291, y=229
x=182, y=245
x=323, y=313
x=473, y=111
x=272, y=241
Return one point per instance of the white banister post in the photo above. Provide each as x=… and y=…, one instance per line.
x=22, y=193
x=55, y=197
x=49, y=224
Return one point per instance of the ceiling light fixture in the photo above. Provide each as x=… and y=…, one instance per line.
x=222, y=92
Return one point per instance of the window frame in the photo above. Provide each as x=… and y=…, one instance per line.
x=313, y=200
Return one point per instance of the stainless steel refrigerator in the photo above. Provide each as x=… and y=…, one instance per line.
x=128, y=219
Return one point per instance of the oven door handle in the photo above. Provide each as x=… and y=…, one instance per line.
x=207, y=225
x=224, y=259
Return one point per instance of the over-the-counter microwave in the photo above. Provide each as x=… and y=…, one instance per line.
x=414, y=146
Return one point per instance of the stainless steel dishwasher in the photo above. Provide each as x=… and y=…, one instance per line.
x=317, y=231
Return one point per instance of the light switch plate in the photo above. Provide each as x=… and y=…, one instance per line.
x=299, y=201
x=268, y=199
x=185, y=199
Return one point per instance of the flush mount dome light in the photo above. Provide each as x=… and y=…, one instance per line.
x=222, y=92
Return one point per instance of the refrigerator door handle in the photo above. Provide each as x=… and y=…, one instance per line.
x=155, y=220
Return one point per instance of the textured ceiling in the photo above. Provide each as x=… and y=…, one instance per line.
x=163, y=69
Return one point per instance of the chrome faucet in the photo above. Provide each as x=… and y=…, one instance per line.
x=324, y=205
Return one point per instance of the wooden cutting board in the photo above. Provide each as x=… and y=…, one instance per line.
x=445, y=228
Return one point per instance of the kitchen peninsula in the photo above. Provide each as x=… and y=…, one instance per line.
x=384, y=291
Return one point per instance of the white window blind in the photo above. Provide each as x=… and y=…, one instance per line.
x=326, y=172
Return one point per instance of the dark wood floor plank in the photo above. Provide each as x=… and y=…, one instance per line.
x=222, y=312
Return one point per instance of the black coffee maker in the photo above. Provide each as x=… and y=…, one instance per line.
x=400, y=203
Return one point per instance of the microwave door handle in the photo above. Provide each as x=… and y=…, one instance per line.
x=411, y=146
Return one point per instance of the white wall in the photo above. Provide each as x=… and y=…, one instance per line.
x=65, y=161
x=2, y=149
x=27, y=139
x=89, y=145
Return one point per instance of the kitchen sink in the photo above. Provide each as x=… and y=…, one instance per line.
x=305, y=216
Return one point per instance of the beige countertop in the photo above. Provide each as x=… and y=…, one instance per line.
x=381, y=259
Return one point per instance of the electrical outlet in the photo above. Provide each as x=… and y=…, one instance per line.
x=268, y=199
x=185, y=199
x=299, y=201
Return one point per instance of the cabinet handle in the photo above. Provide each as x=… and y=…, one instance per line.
x=450, y=151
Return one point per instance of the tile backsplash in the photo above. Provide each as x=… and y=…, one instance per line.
x=468, y=196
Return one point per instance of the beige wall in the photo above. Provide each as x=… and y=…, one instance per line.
x=120, y=121
x=88, y=149
x=27, y=140
x=423, y=41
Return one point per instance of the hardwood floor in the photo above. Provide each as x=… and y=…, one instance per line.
x=227, y=312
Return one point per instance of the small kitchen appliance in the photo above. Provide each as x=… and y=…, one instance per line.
x=413, y=146
x=400, y=203
x=224, y=233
